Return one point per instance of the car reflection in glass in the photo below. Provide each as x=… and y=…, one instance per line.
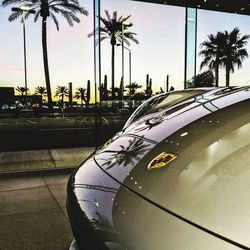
x=176, y=177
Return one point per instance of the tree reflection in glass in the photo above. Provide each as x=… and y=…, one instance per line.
x=151, y=123
x=127, y=154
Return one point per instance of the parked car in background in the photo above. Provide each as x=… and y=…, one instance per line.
x=175, y=177
x=15, y=106
x=4, y=106
x=56, y=108
x=45, y=107
x=12, y=106
x=20, y=106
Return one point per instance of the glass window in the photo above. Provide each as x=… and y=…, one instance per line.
x=95, y=85
x=223, y=22
x=37, y=133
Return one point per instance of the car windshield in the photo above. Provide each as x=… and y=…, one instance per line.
x=161, y=102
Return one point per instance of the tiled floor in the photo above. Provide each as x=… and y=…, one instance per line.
x=33, y=212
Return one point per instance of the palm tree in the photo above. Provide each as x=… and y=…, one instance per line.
x=133, y=87
x=112, y=29
x=234, y=51
x=46, y=9
x=212, y=53
x=62, y=91
x=21, y=90
x=80, y=94
x=117, y=93
x=39, y=90
x=204, y=79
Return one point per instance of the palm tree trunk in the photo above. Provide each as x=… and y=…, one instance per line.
x=45, y=61
x=113, y=71
x=217, y=76
x=227, y=77
x=62, y=106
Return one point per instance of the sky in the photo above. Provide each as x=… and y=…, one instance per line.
x=160, y=30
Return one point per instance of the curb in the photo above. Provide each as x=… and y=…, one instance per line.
x=39, y=171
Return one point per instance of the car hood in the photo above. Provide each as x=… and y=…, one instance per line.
x=108, y=215
x=188, y=163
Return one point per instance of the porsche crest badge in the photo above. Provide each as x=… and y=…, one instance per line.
x=161, y=160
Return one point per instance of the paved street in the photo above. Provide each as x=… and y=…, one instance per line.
x=55, y=132
x=33, y=212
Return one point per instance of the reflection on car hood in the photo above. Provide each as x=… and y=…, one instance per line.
x=171, y=102
x=208, y=138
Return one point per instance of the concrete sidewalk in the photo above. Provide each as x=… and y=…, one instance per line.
x=33, y=212
x=43, y=159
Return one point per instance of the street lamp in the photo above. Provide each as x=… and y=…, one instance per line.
x=124, y=24
x=25, y=10
x=129, y=62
